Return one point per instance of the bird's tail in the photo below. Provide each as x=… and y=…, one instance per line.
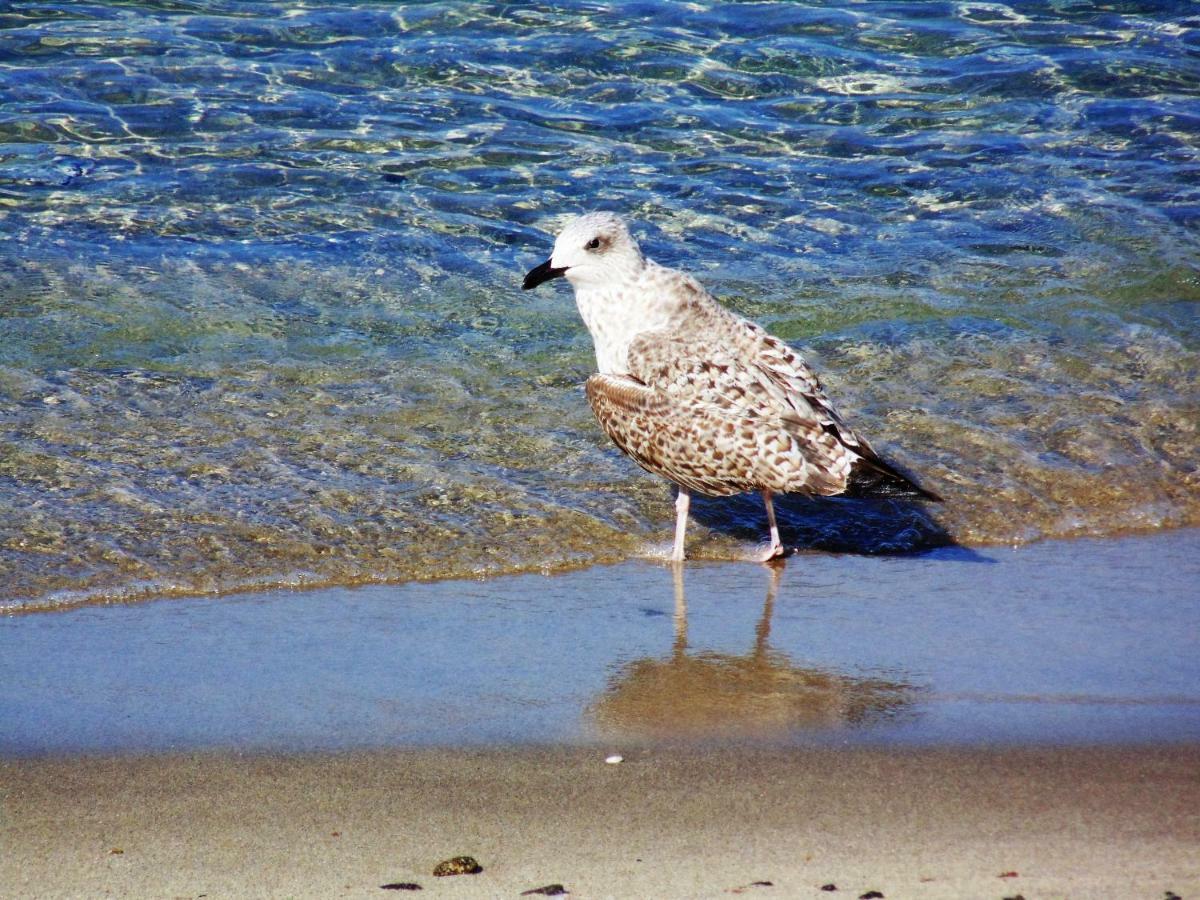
x=876, y=477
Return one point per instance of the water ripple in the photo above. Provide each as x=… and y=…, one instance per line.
x=259, y=293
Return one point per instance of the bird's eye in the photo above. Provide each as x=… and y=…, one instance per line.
x=593, y=244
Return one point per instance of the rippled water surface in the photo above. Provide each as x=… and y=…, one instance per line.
x=259, y=282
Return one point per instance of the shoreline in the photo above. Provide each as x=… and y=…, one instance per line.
x=653, y=553
x=941, y=823
x=1065, y=643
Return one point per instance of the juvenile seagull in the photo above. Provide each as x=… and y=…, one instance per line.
x=698, y=394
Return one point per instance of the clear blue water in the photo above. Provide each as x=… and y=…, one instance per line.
x=259, y=284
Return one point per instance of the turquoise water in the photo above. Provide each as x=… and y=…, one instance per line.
x=259, y=289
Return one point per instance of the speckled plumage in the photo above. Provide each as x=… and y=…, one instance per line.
x=694, y=392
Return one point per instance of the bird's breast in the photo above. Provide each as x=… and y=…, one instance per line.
x=614, y=317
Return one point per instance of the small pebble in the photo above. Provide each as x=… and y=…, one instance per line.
x=401, y=886
x=614, y=759
x=871, y=895
x=1017, y=897
x=550, y=890
x=459, y=865
x=1008, y=875
x=829, y=887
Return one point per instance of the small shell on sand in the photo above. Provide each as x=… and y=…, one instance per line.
x=459, y=865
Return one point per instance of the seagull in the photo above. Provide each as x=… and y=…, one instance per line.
x=699, y=395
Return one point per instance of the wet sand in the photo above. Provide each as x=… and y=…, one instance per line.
x=1067, y=822
x=921, y=727
x=1062, y=642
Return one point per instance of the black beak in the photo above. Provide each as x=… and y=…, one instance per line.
x=544, y=272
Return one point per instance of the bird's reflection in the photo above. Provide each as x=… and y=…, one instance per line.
x=760, y=694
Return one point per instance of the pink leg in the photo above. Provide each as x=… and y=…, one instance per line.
x=776, y=548
x=681, y=516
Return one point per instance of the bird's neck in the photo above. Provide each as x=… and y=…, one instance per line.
x=618, y=310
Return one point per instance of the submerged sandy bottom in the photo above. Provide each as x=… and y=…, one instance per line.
x=921, y=824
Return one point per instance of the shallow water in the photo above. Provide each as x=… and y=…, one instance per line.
x=1077, y=642
x=259, y=293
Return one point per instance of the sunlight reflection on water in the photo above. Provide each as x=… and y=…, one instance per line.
x=260, y=289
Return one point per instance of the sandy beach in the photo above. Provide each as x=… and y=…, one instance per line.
x=862, y=723
x=946, y=823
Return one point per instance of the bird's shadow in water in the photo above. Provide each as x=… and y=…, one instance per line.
x=871, y=526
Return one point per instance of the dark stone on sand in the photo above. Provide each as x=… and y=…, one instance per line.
x=871, y=895
x=829, y=887
x=1017, y=897
x=550, y=890
x=458, y=865
x=762, y=884
x=401, y=886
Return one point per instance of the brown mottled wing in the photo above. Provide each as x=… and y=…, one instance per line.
x=788, y=370
x=801, y=388
x=692, y=413
x=744, y=375
x=690, y=446
x=784, y=442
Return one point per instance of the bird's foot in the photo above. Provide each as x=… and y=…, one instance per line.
x=775, y=551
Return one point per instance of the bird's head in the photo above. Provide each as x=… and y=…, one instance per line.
x=595, y=248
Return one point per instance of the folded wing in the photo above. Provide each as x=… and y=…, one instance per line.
x=726, y=416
